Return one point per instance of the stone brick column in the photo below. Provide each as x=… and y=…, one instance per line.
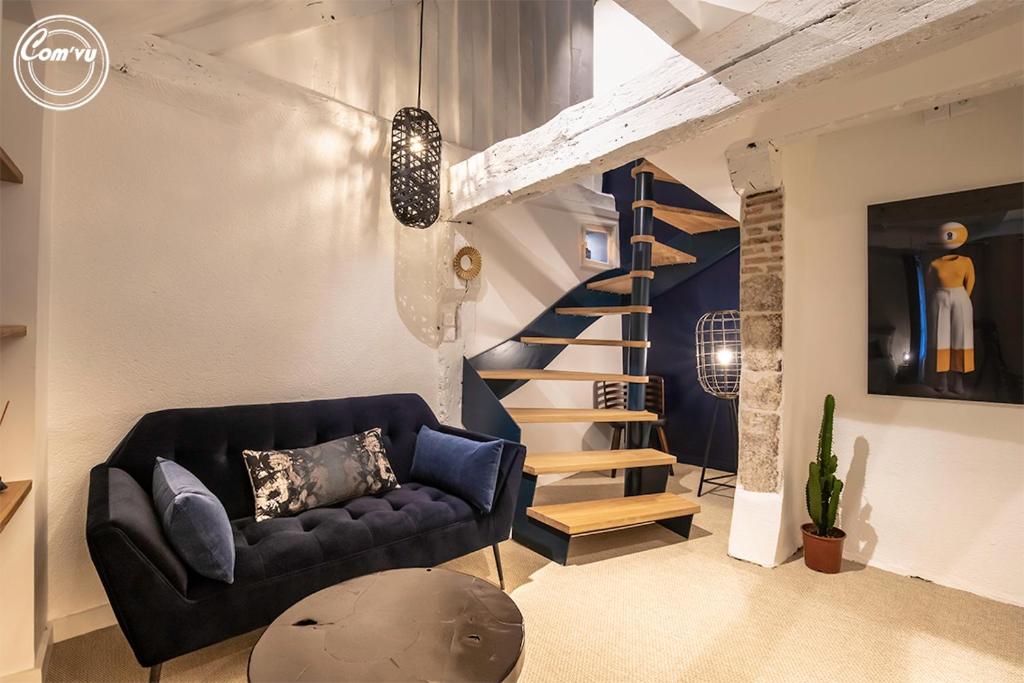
x=761, y=281
x=757, y=533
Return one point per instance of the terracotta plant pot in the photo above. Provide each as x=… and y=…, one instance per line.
x=821, y=553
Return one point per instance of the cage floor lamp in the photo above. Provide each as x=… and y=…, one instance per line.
x=719, y=361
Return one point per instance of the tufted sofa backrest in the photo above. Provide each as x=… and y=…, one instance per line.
x=208, y=442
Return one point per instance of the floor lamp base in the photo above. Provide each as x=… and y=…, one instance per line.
x=715, y=482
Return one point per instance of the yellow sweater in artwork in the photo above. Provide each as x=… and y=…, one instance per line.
x=952, y=313
x=953, y=271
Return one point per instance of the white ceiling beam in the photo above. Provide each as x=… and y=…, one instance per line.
x=780, y=48
x=989, y=63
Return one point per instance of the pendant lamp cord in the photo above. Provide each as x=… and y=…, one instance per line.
x=419, y=83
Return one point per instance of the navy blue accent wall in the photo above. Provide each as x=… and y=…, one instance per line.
x=619, y=184
x=672, y=356
x=688, y=407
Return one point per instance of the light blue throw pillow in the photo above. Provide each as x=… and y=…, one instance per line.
x=194, y=520
x=466, y=468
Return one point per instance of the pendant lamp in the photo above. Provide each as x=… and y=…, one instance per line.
x=416, y=160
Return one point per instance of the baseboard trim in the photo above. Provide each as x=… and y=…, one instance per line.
x=37, y=674
x=83, y=622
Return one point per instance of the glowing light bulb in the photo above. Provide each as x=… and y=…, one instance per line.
x=906, y=356
x=415, y=144
x=724, y=356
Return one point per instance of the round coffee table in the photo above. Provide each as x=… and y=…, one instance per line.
x=398, y=625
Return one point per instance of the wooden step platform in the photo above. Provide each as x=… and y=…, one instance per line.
x=662, y=254
x=597, y=311
x=622, y=284
x=647, y=167
x=613, y=513
x=594, y=461
x=553, y=415
x=568, y=375
x=691, y=221
x=571, y=341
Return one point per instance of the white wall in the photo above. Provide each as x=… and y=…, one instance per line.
x=219, y=237
x=26, y=135
x=933, y=488
x=492, y=69
x=531, y=259
x=624, y=47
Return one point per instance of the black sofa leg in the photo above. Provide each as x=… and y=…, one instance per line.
x=497, y=561
x=154, y=673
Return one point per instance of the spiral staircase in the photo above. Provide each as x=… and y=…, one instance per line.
x=654, y=267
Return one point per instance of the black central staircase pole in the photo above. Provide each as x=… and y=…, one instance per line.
x=636, y=358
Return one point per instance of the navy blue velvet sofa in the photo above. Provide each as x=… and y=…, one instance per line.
x=166, y=610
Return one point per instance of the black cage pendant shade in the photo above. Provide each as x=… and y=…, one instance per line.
x=415, y=167
x=416, y=160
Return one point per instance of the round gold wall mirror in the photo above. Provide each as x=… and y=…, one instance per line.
x=467, y=263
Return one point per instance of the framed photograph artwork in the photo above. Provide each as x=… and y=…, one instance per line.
x=946, y=296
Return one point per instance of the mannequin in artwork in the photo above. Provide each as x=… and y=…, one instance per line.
x=951, y=279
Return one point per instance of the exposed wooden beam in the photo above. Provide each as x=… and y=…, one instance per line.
x=782, y=47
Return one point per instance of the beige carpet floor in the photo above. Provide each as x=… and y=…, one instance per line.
x=646, y=605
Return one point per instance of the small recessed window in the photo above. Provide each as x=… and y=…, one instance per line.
x=598, y=247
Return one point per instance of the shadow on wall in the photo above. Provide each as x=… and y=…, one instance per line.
x=861, y=537
x=421, y=277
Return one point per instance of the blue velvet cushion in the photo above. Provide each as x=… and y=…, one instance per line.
x=194, y=520
x=467, y=468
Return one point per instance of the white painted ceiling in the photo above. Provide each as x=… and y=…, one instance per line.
x=210, y=26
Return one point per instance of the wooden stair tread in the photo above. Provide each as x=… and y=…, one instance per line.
x=612, y=513
x=594, y=461
x=595, y=311
x=568, y=375
x=691, y=221
x=571, y=341
x=621, y=284
x=552, y=415
x=662, y=254
x=13, y=331
x=647, y=167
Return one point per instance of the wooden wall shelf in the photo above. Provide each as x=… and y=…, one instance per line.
x=9, y=171
x=12, y=331
x=12, y=498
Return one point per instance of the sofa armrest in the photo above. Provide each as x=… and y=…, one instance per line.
x=125, y=538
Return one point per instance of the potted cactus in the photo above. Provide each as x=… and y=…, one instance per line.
x=823, y=541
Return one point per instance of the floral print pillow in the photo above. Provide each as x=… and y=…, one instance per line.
x=289, y=481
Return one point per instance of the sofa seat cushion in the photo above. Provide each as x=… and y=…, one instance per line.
x=282, y=545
